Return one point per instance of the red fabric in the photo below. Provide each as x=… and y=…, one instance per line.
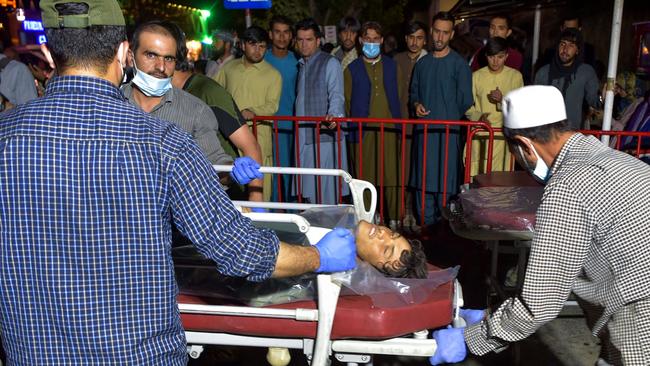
x=505, y=179
x=356, y=317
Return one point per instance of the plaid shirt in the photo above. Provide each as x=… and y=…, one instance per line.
x=591, y=237
x=90, y=186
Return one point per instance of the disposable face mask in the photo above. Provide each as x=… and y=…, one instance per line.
x=149, y=85
x=371, y=50
x=541, y=172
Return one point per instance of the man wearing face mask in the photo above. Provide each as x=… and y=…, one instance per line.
x=370, y=85
x=154, y=53
x=591, y=237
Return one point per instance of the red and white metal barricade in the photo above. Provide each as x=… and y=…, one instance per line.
x=469, y=129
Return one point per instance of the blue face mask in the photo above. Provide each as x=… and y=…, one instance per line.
x=371, y=50
x=149, y=85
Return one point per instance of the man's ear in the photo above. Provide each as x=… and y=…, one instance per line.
x=48, y=56
x=525, y=147
x=123, y=53
x=452, y=34
x=509, y=33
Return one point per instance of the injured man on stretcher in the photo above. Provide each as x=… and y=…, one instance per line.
x=381, y=253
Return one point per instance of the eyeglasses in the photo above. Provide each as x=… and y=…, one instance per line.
x=152, y=56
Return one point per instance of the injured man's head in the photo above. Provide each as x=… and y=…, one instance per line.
x=390, y=252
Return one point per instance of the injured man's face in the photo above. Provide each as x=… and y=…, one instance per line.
x=389, y=251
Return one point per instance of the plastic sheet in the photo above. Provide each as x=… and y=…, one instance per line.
x=500, y=208
x=387, y=292
x=331, y=217
x=197, y=275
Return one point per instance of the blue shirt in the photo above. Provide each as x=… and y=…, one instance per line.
x=90, y=187
x=288, y=68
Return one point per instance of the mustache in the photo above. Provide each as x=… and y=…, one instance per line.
x=158, y=74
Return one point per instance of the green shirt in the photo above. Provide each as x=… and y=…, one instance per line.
x=221, y=103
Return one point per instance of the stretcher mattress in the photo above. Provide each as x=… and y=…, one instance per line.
x=356, y=317
x=501, y=208
x=505, y=179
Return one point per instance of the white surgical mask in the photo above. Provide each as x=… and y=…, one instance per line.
x=541, y=172
x=149, y=85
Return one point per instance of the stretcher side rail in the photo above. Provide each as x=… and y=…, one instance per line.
x=357, y=188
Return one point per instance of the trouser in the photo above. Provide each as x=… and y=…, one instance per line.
x=432, y=207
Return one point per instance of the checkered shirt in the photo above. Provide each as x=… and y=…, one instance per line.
x=89, y=188
x=591, y=237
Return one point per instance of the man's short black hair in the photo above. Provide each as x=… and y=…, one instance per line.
x=496, y=45
x=413, y=263
x=505, y=17
x=542, y=134
x=348, y=23
x=255, y=34
x=444, y=15
x=415, y=26
x=307, y=24
x=165, y=28
x=371, y=25
x=280, y=19
x=572, y=35
x=94, y=47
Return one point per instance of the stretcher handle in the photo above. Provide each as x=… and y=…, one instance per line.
x=299, y=314
x=299, y=221
x=295, y=171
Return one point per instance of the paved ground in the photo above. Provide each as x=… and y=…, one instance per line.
x=565, y=341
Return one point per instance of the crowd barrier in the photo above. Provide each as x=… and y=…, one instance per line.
x=354, y=128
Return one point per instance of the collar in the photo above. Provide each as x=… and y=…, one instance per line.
x=257, y=65
x=187, y=82
x=83, y=85
x=373, y=63
x=168, y=97
x=304, y=61
x=568, y=145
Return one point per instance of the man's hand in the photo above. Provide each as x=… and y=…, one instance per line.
x=495, y=96
x=472, y=316
x=248, y=114
x=329, y=123
x=337, y=251
x=451, y=346
x=420, y=110
x=245, y=169
x=484, y=118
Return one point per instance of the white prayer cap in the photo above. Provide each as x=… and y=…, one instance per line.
x=532, y=106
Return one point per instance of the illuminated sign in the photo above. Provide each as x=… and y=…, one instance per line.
x=42, y=39
x=33, y=26
x=247, y=4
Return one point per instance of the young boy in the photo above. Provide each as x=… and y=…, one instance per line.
x=489, y=85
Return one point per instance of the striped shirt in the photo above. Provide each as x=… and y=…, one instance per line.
x=193, y=116
x=591, y=237
x=89, y=188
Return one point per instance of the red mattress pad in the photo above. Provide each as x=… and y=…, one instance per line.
x=356, y=317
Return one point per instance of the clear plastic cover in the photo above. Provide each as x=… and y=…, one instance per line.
x=197, y=275
x=501, y=208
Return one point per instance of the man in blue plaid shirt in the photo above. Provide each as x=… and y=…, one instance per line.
x=90, y=187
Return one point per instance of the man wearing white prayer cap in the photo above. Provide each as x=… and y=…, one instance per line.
x=592, y=237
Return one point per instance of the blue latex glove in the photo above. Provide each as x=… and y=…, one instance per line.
x=245, y=170
x=337, y=251
x=261, y=209
x=451, y=346
x=472, y=316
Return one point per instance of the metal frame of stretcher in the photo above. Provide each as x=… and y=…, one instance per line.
x=318, y=350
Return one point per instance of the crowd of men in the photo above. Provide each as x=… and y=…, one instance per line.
x=284, y=71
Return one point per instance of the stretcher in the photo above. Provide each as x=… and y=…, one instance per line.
x=352, y=328
x=498, y=210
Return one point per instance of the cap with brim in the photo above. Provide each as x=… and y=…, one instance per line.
x=533, y=106
x=100, y=12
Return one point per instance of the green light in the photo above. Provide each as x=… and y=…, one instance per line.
x=206, y=40
x=205, y=13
